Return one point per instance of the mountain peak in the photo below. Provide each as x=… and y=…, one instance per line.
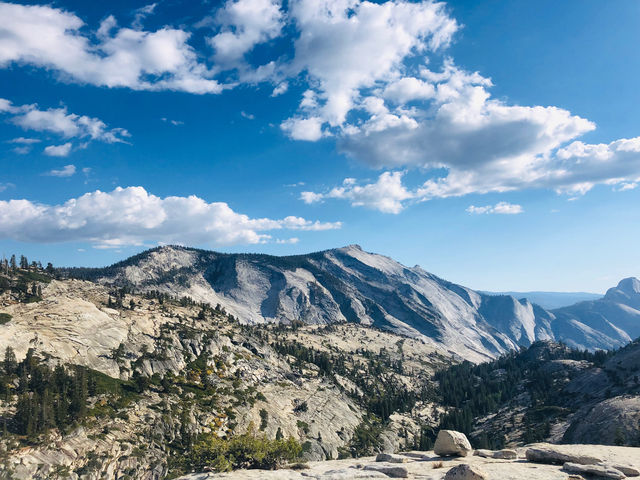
x=630, y=286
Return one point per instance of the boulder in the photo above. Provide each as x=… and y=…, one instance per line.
x=450, y=442
x=505, y=454
x=465, y=472
x=345, y=474
x=388, y=470
x=481, y=452
x=602, y=471
x=391, y=458
x=557, y=457
x=628, y=470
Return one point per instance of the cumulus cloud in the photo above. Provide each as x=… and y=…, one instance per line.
x=347, y=46
x=66, y=171
x=52, y=38
x=58, y=150
x=245, y=23
x=60, y=122
x=501, y=208
x=387, y=194
x=132, y=216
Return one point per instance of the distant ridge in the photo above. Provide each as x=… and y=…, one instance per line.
x=551, y=300
x=349, y=284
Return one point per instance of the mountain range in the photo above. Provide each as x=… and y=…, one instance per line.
x=350, y=285
x=551, y=300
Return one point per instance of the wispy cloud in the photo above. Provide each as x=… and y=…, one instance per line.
x=66, y=171
x=501, y=208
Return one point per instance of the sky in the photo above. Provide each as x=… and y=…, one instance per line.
x=495, y=144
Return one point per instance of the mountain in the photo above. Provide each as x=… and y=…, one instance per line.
x=609, y=322
x=547, y=392
x=101, y=380
x=350, y=285
x=551, y=300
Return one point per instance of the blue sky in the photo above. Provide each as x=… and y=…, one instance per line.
x=496, y=144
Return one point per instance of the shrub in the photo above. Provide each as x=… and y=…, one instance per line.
x=248, y=450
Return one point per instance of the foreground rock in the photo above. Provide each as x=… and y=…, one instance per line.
x=601, y=471
x=465, y=472
x=450, y=442
x=505, y=454
x=391, y=458
x=429, y=466
x=555, y=455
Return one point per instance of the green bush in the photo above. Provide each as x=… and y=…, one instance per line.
x=248, y=450
x=4, y=318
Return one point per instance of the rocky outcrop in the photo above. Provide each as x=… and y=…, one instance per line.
x=449, y=442
x=601, y=471
x=556, y=454
x=426, y=465
x=504, y=454
x=466, y=472
x=612, y=421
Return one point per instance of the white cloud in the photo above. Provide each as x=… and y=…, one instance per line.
x=23, y=150
x=292, y=240
x=387, y=194
x=132, y=216
x=60, y=122
x=175, y=123
x=309, y=129
x=23, y=140
x=248, y=116
x=58, y=150
x=281, y=88
x=502, y=208
x=407, y=89
x=66, y=171
x=141, y=13
x=311, y=197
x=345, y=46
x=53, y=38
x=245, y=23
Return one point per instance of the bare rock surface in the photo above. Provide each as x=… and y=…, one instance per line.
x=601, y=471
x=553, y=454
x=429, y=466
x=391, y=458
x=466, y=472
x=450, y=442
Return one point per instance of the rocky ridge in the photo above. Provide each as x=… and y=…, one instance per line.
x=350, y=285
x=560, y=463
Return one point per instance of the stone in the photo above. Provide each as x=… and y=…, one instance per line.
x=450, y=442
x=389, y=471
x=481, y=452
x=391, y=458
x=466, y=472
x=347, y=474
x=628, y=470
x=554, y=456
x=602, y=471
x=505, y=454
